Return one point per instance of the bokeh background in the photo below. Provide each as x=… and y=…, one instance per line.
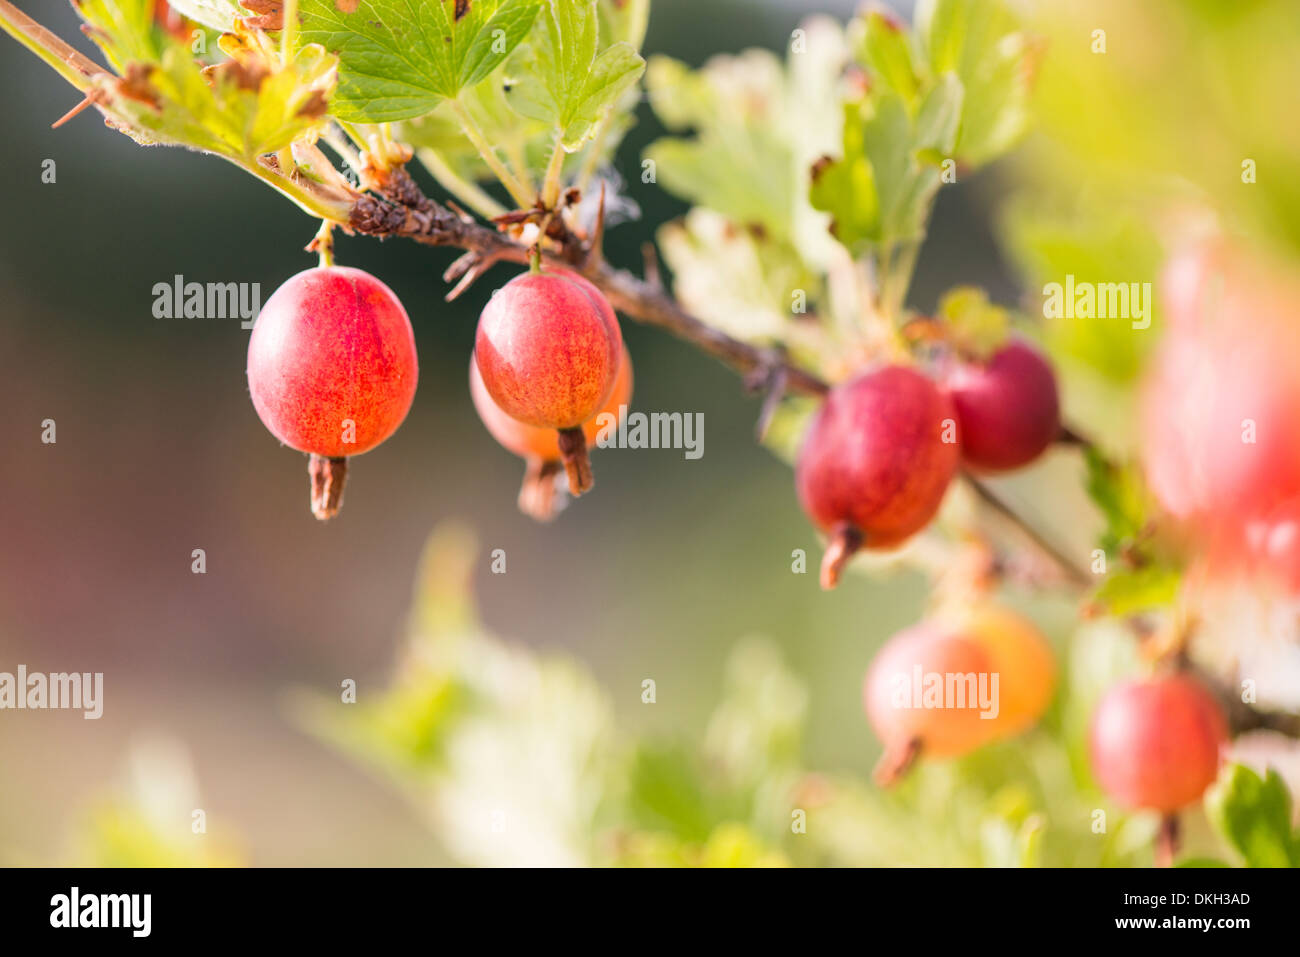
x=160, y=452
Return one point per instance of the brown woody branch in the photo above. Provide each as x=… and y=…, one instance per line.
x=402, y=209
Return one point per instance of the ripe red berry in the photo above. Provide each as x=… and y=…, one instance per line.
x=1022, y=659
x=1155, y=743
x=1008, y=411
x=540, y=448
x=908, y=721
x=1271, y=549
x=1220, y=409
x=874, y=465
x=996, y=662
x=332, y=370
x=548, y=348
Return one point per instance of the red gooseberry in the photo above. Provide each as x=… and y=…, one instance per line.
x=332, y=371
x=875, y=462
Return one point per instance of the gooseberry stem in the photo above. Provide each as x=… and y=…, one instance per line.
x=289, y=34
x=324, y=244
x=485, y=149
x=554, y=172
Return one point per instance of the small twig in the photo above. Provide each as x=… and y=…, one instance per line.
x=1243, y=717
x=74, y=66
x=1070, y=437
x=1067, y=566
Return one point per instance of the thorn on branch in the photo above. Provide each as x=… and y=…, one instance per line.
x=596, y=248
x=463, y=216
x=93, y=97
x=772, y=379
x=653, y=277
x=467, y=269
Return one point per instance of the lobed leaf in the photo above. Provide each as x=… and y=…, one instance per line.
x=400, y=58
x=561, y=77
x=881, y=189
x=980, y=42
x=240, y=109
x=1253, y=815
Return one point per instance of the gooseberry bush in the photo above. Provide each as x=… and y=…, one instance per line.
x=930, y=441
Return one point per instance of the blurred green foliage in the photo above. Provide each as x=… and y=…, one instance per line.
x=1144, y=115
x=513, y=759
x=151, y=819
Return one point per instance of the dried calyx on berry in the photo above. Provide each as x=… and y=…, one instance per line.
x=539, y=447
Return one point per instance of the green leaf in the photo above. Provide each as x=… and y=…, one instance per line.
x=976, y=326
x=217, y=14
x=236, y=110
x=126, y=31
x=1128, y=591
x=739, y=164
x=886, y=52
x=1253, y=815
x=666, y=792
x=441, y=131
x=1118, y=492
x=624, y=21
x=401, y=58
x=1201, y=862
x=682, y=98
x=559, y=77
x=846, y=188
x=939, y=119
x=979, y=42
x=742, y=281
x=882, y=188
